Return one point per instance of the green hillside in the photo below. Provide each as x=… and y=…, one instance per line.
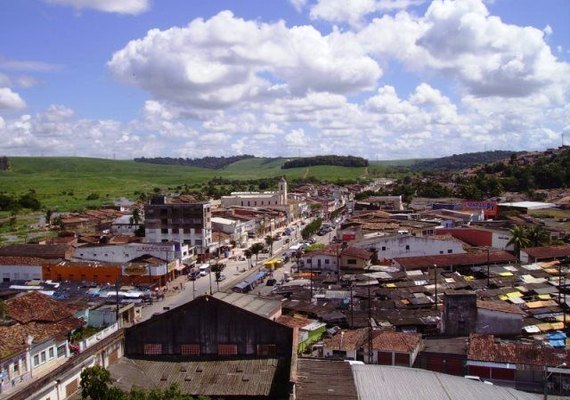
x=65, y=183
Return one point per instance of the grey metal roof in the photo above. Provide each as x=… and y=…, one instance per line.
x=378, y=382
x=258, y=305
x=246, y=378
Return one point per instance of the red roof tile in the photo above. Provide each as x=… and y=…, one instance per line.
x=486, y=348
x=347, y=340
x=548, y=251
x=37, y=307
x=399, y=342
x=455, y=260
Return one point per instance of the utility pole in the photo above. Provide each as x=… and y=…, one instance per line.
x=435, y=281
x=369, y=327
x=488, y=270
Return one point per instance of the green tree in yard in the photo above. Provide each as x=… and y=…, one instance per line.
x=247, y=253
x=217, y=269
x=256, y=249
x=136, y=216
x=269, y=242
x=519, y=239
x=95, y=383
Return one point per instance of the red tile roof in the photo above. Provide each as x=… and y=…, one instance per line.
x=293, y=322
x=455, y=260
x=35, y=315
x=15, y=260
x=548, y=251
x=347, y=340
x=36, y=307
x=486, y=348
x=48, y=251
x=398, y=342
x=357, y=252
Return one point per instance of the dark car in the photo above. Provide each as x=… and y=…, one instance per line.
x=192, y=276
x=271, y=282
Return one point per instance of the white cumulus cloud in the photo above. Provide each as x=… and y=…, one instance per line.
x=10, y=100
x=226, y=60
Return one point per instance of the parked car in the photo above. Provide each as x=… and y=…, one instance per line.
x=271, y=282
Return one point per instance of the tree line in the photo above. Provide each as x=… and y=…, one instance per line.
x=343, y=161
x=204, y=162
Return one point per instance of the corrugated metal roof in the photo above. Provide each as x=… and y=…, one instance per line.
x=255, y=304
x=324, y=379
x=378, y=382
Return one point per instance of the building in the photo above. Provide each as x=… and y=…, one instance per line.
x=45, y=251
x=179, y=220
x=122, y=253
x=546, y=253
x=463, y=314
x=20, y=268
x=394, y=348
x=33, y=337
x=388, y=247
x=124, y=225
x=475, y=236
x=257, y=199
x=226, y=346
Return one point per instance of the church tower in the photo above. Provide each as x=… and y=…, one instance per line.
x=282, y=191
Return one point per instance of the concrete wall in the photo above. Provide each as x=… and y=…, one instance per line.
x=10, y=273
x=410, y=246
x=459, y=314
x=491, y=322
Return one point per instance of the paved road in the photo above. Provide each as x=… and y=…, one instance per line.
x=235, y=272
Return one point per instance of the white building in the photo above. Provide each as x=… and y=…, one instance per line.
x=20, y=268
x=388, y=247
x=237, y=229
x=257, y=199
x=123, y=253
x=124, y=225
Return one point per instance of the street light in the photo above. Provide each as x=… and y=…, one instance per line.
x=547, y=376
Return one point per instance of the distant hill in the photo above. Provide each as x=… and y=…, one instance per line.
x=342, y=161
x=463, y=161
x=205, y=162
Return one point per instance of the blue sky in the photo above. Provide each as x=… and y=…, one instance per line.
x=382, y=79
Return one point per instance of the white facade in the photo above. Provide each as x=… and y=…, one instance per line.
x=257, y=199
x=389, y=247
x=126, y=252
x=500, y=240
x=123, y=226
x=320, y=263
x=9, y=273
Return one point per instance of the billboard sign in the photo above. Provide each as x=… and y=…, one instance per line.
x=489, y=208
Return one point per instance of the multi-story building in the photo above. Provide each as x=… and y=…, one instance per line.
x=257, y=199
x=176, y=220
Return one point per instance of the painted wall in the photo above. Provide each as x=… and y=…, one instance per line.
x=10, y=273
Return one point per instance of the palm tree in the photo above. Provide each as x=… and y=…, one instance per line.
x=269, y=241
x=136, y=216
x=537, y=235
x=519, y=239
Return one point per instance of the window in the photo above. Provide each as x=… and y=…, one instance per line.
x=351, y=261
x=266, y=350
x=61, y=351
x=36, y=360
x=309, y=261
x=50, y=353
x=449, y=251
x=407, y=247
x=164, y=230
x=327, y=261
x=227, y=349
x=16, y=367
x=383, y=248
x=43, y=356
x=190, y=349
x=152, y=348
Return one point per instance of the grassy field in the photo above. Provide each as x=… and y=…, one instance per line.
x=64, y=183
